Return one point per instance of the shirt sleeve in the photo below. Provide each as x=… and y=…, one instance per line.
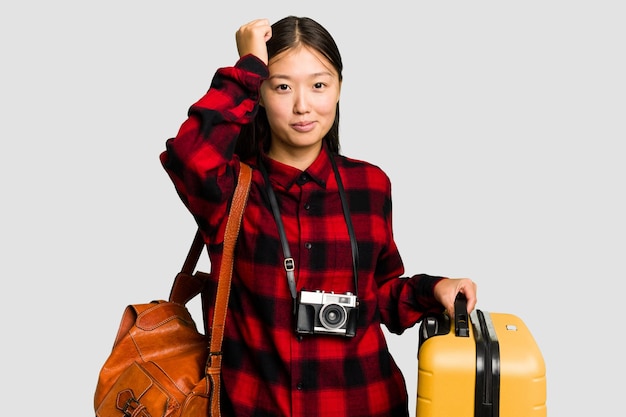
x=200, y=158
x=402, y=300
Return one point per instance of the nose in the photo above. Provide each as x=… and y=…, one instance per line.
x=300, y=103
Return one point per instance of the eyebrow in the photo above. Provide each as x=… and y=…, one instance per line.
x=314, y=75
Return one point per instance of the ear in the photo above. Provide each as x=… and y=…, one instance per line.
x=339, y=92
x=261, y=103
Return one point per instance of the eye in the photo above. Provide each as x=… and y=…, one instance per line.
x=282, y=87
x=319, y=85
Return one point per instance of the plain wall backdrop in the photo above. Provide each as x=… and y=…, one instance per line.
x=501, y=125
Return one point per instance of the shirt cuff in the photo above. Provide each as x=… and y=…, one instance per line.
x=252, y=63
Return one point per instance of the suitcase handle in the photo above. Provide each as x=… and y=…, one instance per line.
x=461, y=323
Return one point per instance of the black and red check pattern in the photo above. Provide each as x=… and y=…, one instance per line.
x=268, y=370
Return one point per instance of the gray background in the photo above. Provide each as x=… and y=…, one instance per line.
x=498, y=122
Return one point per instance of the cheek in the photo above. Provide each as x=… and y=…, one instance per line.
x=276, y=109
x=327, y=107
x=327, y=104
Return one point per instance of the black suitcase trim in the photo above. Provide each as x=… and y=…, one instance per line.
x=487, y=389
x=487, y=385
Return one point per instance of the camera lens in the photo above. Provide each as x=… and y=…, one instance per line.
x=332, y=316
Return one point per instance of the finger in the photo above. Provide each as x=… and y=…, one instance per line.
x=468, y=288
x=252, y=37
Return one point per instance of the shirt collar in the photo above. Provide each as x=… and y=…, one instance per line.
x=285, y=176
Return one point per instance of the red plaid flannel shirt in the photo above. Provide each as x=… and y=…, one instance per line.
x=268, y=370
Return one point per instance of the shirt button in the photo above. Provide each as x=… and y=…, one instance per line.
x=299, y=386
x=303, y=178
x=307, y=245
x=307, y=206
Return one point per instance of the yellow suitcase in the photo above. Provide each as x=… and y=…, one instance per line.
x=487, y=366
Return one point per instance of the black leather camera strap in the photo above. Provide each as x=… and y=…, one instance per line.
x=289, y=263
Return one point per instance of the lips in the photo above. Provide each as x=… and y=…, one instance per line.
x=303, y=127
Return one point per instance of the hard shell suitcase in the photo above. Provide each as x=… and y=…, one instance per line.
x=487, y=366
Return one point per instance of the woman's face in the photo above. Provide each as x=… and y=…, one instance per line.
x=300, y=98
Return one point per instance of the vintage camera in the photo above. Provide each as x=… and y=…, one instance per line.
x=319, y=312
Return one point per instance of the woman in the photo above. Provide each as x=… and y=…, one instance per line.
x=316, y=267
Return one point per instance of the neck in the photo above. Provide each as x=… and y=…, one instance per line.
x=297, y=158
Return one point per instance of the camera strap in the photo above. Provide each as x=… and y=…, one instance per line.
x=289, y=263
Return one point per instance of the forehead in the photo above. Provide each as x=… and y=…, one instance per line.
x=301, y=60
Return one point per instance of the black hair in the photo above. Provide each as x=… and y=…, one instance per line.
x=288, y=33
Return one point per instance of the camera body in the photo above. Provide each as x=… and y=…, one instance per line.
x=319, y=312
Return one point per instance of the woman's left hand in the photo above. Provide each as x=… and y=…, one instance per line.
x=447, y=289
